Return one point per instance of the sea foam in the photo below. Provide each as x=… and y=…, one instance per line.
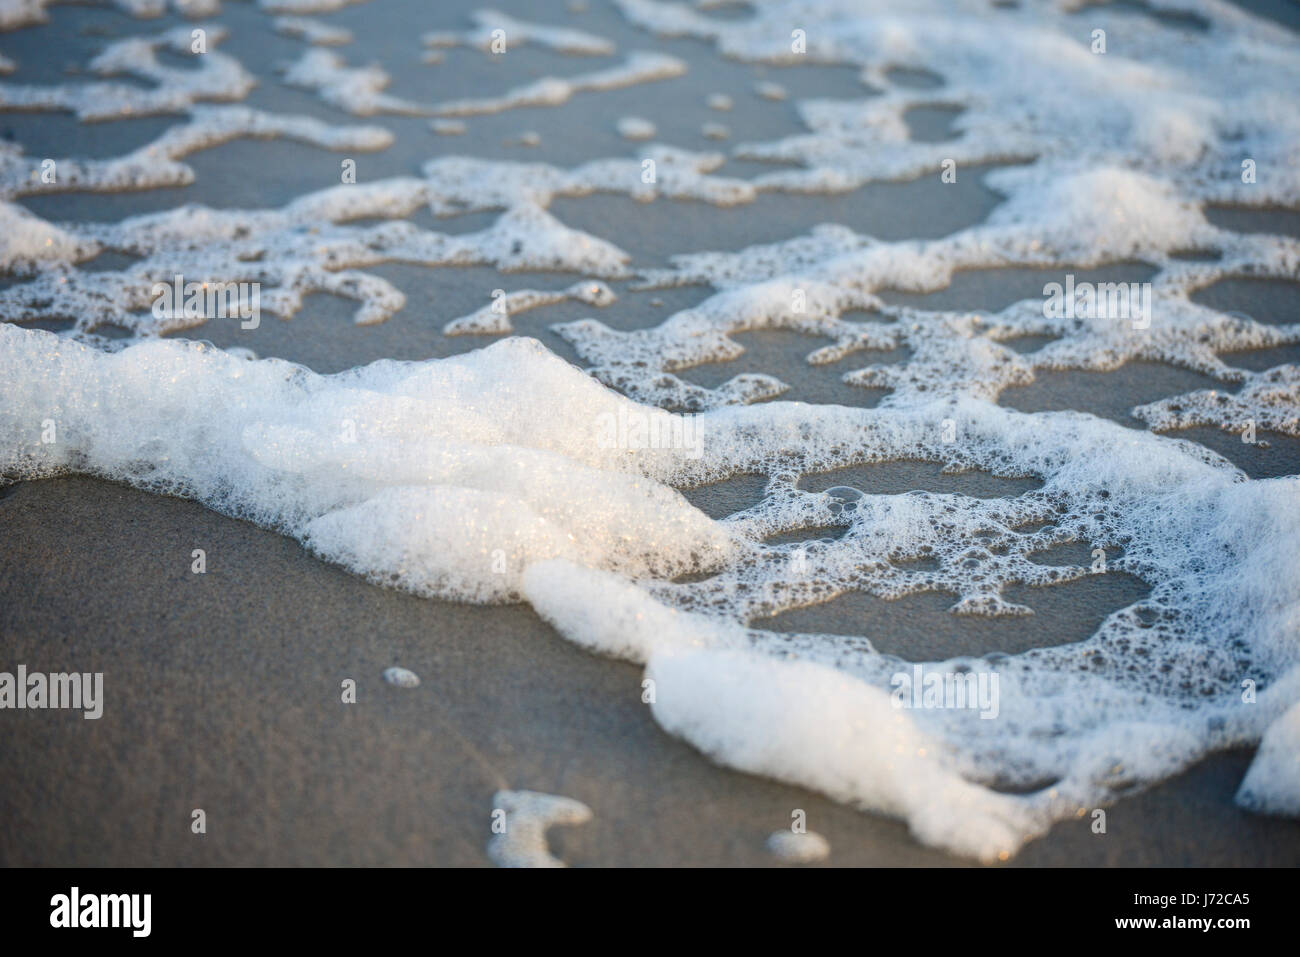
x=492, y=476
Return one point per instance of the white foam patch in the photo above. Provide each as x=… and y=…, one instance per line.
x=401, y=677
x=312, y=31
x=635, y=128
x=639, y=67
x=808, y=847
x=494, y=318
x=356, y=90
x=507, y=474
x=528, y=815
x=305, y=247
x=461, y=184
x=806, y=284
x=305, y=6
x=308, y=246
x=26, y=241
x=753, y=714
x=157, y=164
x=1272, y=784
x=1267, y=400
x=1156, y=687
x=515, y=32
x=409, y=475
x=21, y=13
x=213, y=76
x=1182, y=107
x=156, y=8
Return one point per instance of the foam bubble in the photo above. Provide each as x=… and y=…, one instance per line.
x=805, y=848
x=635, y=128
x=401, y=677
x=1272, y=785
x=528, y=815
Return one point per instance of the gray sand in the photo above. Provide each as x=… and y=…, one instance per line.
x=223, y=690
x=223, y=693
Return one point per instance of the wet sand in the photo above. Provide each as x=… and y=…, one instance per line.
x=223, y=689
x=223, y=693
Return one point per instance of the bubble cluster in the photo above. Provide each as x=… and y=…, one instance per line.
x=508, y=474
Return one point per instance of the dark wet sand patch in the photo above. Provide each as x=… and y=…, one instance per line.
x=1274, y=302
x=1251, y=219
x=920, y=627
x=1112, y=394
x=990, y=290
x=1109, y=395
x=768, y=349
x=908, y=475
x=651, y=232
x=720, y=499
x=813, y=534
x=1271, y=455
x=932, y=124
x=1177, y=19
x=1259, y=360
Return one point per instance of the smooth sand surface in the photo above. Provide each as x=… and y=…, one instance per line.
x=223, y=689
x=222, y=693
